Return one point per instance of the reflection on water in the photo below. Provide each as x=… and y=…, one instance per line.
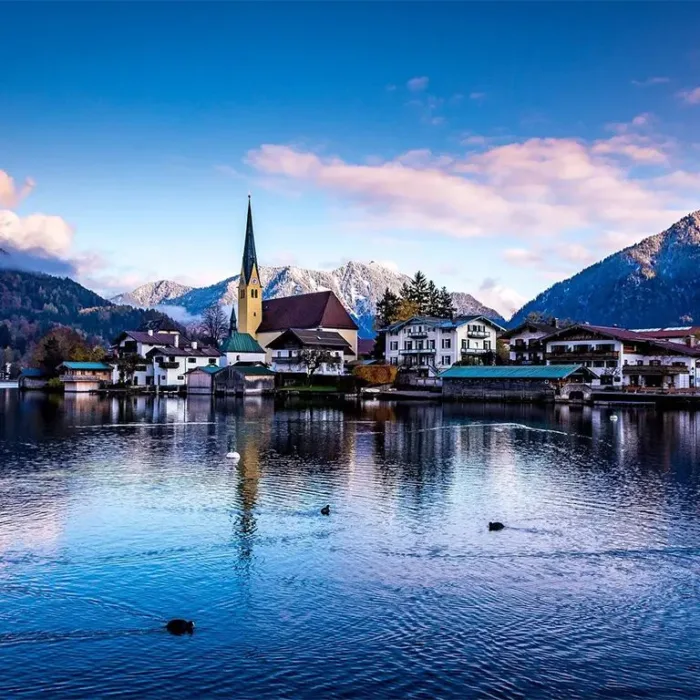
x=117, y=514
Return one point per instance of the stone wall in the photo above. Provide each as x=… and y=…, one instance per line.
x=520, y=390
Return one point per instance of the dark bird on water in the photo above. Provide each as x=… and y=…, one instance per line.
x=496, y=526
x=326, y=510
x=178, y=626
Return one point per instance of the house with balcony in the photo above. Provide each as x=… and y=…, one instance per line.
x=624, y=358
x=430, y=345
x=298, y=351
x=84, y=377
x=170, y=365
x=141, y=343
x=525, y=342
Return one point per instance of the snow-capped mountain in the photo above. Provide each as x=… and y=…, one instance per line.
x=653, y=283
x=152, y=294
x=358, y=285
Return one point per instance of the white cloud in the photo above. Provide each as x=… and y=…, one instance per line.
x=477, y=96
x=657, y=80
x=499, y=297
x=691, y=97
x=417, y=84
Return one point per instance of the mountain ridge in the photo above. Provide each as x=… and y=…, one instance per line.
x=653, y=283
x=358, y=285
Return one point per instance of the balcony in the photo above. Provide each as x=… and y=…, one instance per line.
x=478, y=334
x=576, y=355
x=421, y=351
x=417, y=334
x=659, y=370
x=168, y=365
x=86, y=377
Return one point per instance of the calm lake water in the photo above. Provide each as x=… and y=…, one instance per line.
x=116, y=515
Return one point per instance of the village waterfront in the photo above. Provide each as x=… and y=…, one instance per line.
x=118, y=513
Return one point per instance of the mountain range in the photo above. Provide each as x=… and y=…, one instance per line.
x=653, y=283
x=358, y=285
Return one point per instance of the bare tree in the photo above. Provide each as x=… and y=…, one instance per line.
x=214, y=324
x=313, y=358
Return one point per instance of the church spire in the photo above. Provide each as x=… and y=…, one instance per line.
x=233, y=323
x=250, y=259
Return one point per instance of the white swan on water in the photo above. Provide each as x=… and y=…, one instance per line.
x=613, y=417
x=233, y=455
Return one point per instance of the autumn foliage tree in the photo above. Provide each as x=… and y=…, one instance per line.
x=60, y=345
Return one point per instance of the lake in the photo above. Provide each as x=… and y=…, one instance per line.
x=118, y=514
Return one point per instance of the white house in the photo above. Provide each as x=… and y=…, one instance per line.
x=434, y=344
x=241, y=347
x=624, y=358
x=141, y=343
x=170, y=364
x=290, y=349
x=525, y=342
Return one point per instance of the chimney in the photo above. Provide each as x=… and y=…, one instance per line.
x=176, y=340
x=555, y=321
x=194, y=344
x=150, y=331
x=692, y=341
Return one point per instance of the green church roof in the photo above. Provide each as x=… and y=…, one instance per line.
x=241, y=342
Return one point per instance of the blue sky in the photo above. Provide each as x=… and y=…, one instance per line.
x=499, y=147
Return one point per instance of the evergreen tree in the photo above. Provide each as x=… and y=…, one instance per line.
x=387, y=308
x=445, y=308
x=419, y=293
x=433, y=306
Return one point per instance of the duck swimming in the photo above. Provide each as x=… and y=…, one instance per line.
x=496, y=526
x=326, y=510
x=178, y=626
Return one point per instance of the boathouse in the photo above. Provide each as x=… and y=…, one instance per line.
x=528, y=384
x=84, y=376
x=244, y=380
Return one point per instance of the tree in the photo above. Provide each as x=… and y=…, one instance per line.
x=445, y=307
x=59, y=345
x=406, y=309
x=313, y=358
x=502, y=352
x=127, y=364
x=419, y=292
x=387, y=308
x=214, y=323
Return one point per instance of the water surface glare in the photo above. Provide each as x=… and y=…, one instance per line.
x=118, y=514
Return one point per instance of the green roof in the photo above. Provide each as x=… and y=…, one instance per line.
x=241, y=342
x=510, y=372
x=254, y=371
x=209, y=369
x=34, y=372
x=85, y=365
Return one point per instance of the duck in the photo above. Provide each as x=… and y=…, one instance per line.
x=326, y=510
x=178, y=626
x=496, y=526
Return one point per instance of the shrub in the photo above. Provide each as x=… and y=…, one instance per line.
x=54, y=384
x=374, y=375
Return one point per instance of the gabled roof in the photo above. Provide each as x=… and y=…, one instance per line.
x=446, y=323
x=544, y=328
x=209, y=369
x=241, y=342
x=626, y=336
x=145, y=337
x=551, y=372
x=250, y=258
x=204, y=351
x=365, y=346
x=315, y=310
x=299, y=337
x=86, y=365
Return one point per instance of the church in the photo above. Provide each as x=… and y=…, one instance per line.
x=261, y=323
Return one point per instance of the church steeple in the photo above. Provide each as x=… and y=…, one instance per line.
x=249, y=288
x=250, y=259
x=233, y=323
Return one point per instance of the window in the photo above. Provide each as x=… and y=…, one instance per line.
x=238, y=358
x=408, y=345
x=640, y=362
x=242, y=294
x=465, y=343
x=394, y=345
x=180, y=378
x=612, y=364
x=191, y=359
x=446, y=343
x=487, y=345
x=431, y=345
x=171, y=358
x=212, y=360
x=446, y=359
x=279, y=353
x=394, y=361
x=419, y=345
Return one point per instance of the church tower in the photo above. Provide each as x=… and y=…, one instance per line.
x=250, y=290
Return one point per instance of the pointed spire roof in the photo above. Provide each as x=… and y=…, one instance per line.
x=250, y=258
x=233, y=323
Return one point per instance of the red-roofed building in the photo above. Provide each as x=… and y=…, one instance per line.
x=266, y=320
x=622, y=358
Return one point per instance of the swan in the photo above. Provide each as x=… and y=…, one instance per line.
x=233, y=455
